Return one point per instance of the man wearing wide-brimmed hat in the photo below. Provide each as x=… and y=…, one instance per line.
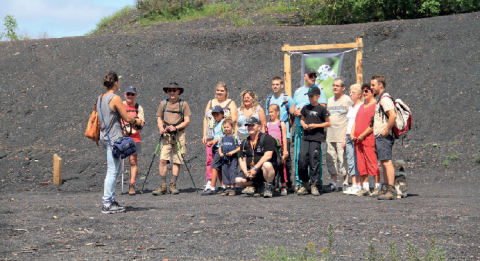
x=173, y=116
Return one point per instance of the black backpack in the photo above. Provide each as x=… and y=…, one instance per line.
x=277, y=152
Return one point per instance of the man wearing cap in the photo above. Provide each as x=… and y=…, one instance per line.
x=257, y=164
x=173, y=116
x=300, y=99
x=135, y=110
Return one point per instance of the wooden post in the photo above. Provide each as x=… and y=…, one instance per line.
x=287, y=73
x=359, y=61
x=57, y=170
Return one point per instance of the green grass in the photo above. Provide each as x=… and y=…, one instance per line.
x=106, y=20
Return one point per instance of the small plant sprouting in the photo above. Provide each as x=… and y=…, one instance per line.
x=436, y=145
x=371, y=255
x=446, y=163
x=476, y=159
x=392, y=251
x=412, y=252
x=453, y=156
x=425, y=146
x=453, y=143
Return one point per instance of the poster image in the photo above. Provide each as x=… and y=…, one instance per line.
x=328, y=67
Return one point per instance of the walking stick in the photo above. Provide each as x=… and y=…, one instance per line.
x=154, y=154
x=183, y=159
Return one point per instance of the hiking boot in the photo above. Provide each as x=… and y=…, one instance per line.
x=315, y=191
x=303, y=189
x=259, y=191
x=162, y=190
x=250, y=190
x=172, y=188
x=390, y=194
x=345, y=187
x=208, y=191
x=267, y=193
x=283, y=192
x=375, y=192
x=364, y=192
x=113, y=208
x=381, y=192
x=232, y=192
x=297, y=188
x=225, y=192
x=131, y=188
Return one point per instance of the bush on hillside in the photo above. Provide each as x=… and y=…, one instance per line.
x=361, y=11
x=169, y=8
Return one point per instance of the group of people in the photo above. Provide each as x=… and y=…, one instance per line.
x=244, y=149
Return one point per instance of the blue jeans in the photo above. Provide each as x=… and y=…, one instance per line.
x=351, y=156
x=114, y=169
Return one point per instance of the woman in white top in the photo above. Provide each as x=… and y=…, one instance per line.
x=249, y=108
x=230, y=111
x=348, y=144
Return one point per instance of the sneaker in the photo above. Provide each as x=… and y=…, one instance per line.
x=297, y=188
x=364, y=192
x=113, y=208
x=220, y=190
x=131, y=188
x=232, y=192
x=381, y=192
x=315, y=191
x=267, y=193
x=208, y=191
x=162, y=189
x=332, y=188
x=345, y=186
x=303, y=189
x=250, y=190
x=225, y=192
x=390, y=194
x=172, y=188
x=283, y=192
x=352, y=191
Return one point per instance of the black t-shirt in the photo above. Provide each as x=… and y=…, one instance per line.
x=268, y=145
x=315, y=115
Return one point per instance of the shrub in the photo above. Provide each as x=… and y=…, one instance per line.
x=169, y=8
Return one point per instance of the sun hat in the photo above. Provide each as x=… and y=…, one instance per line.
x=173, y=85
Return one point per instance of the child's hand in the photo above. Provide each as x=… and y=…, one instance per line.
x=221, y=154
x=229, y=154
x=285, y=156
x=210, y=143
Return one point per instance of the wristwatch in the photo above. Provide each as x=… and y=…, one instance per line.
x=255, y=168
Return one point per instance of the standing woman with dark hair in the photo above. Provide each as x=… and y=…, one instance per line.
x=111, y=110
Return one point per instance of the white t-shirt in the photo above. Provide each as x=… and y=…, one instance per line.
x=351, y=115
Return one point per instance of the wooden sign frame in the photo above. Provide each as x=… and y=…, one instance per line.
x=286, y=60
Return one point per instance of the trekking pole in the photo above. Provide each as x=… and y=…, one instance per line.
x=183, y=159
x=154, y=154
x=123, y=166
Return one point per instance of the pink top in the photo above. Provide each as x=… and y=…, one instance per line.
x=275, y=130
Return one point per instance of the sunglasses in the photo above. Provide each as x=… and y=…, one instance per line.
x=312, y=76
x=171, y=90
x=366, y=91
x=131, y=94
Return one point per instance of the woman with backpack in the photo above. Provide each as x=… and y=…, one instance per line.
x=111, y=111
x=136, y=111
x=230, y=111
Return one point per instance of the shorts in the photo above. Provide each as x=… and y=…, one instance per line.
x=217, y=161
x=258, y=177
x=138, y=147
x=169, y=146
x=229, y=169
x=383, y=147
x=335, y=158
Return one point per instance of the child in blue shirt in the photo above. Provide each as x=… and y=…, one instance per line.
x=217, y=113
x=229, y=147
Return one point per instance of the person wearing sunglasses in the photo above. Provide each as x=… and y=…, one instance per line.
x=173, y=116
x=362, y=135
x=136, y=111
x=300, y=99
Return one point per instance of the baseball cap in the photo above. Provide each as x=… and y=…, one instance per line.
x=131, y=89
x=252, y=121
x=313, y=90
x=310, y=71
x=217, y=108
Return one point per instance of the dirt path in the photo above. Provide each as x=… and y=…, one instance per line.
x=69, y=226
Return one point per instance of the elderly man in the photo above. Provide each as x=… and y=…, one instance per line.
x=300, y=99
x=257, y=164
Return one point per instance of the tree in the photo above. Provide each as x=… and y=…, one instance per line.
x=11, y=26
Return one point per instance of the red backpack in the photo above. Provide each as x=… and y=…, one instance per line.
x=403, y=122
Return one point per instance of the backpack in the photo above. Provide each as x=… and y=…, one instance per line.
x=93, y=127
x=180, y=111
x=403, y=122
x=277, y=152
